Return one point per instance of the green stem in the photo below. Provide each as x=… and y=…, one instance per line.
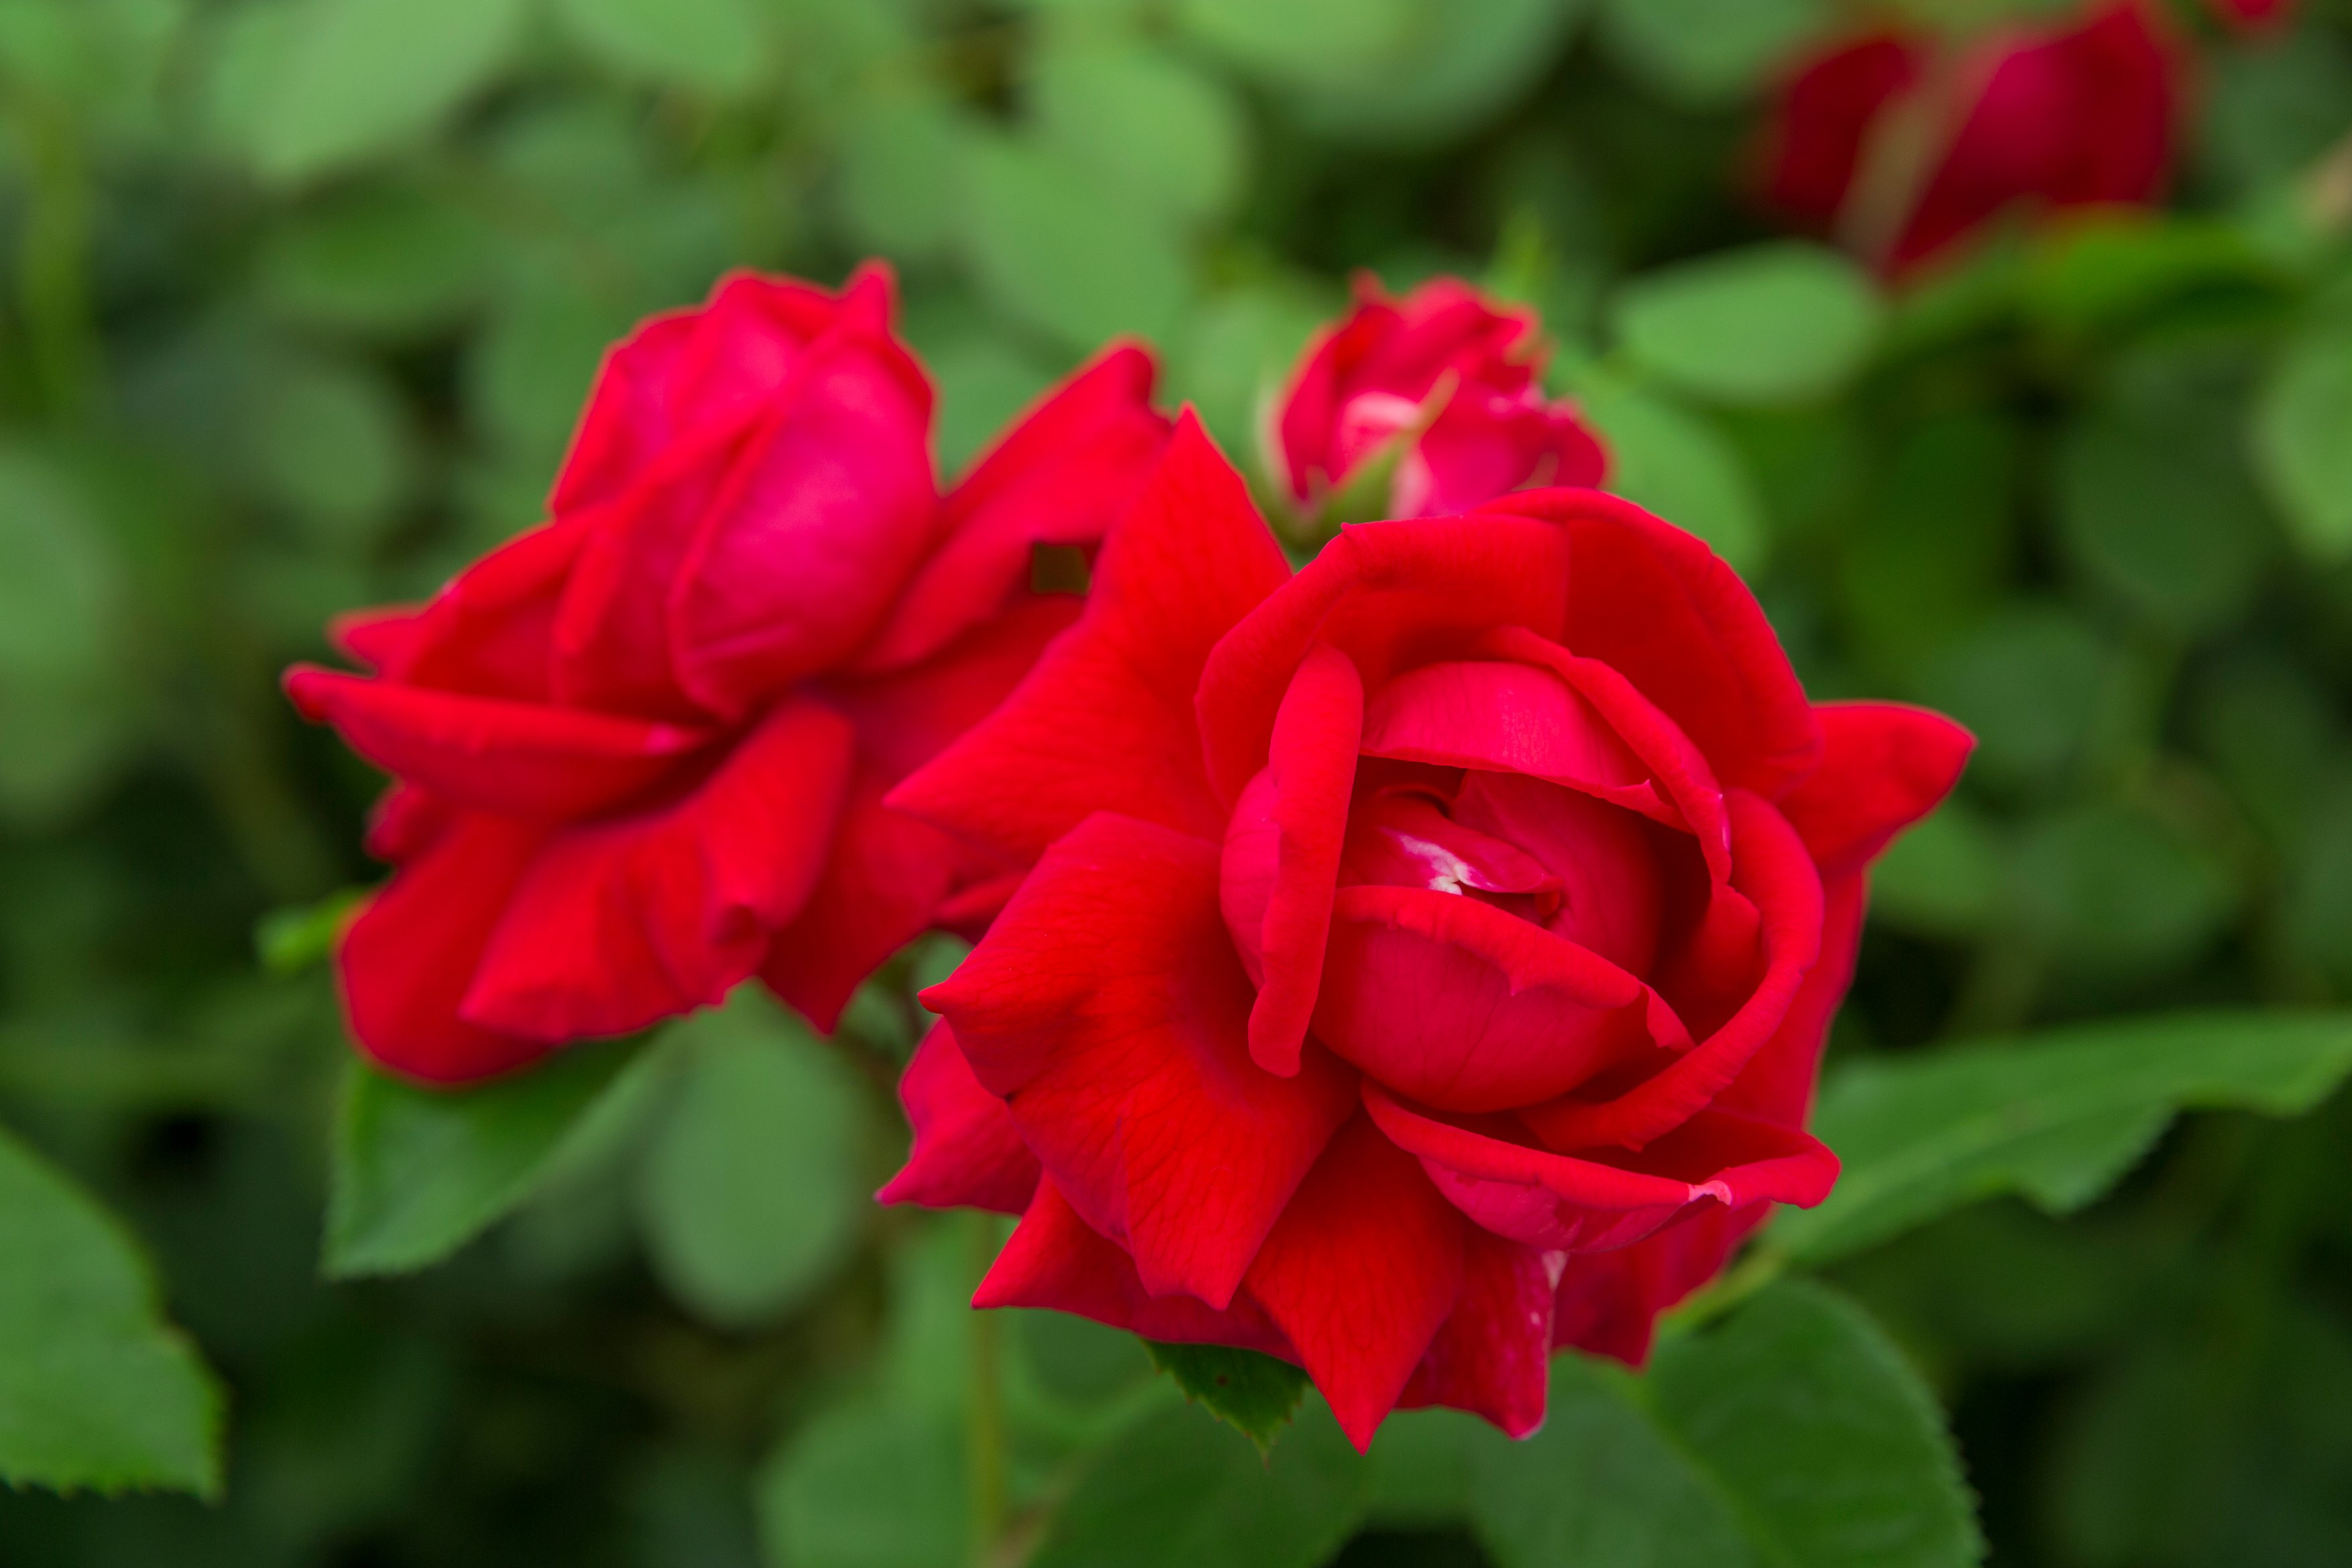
x=984, y=1408
x=53, y=260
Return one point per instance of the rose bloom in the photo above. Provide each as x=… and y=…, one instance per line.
x=1448, y=376
x=2254, y=15
x=1427, y=955
x=640, y=751
x=1905, y=153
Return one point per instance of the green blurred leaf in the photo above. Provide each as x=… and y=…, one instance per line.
x=1934, y=537
x=1063, y=251
x=528, y=375
x=2301, y=440
x=329, y=441
x=2056, y=1116
x=1179, y=1490
x=2112, y=894
x=1944, y=877
x=391, y=258
x=1462, y=63
x=1256, y=1395
x=754, y=1185
x=352, y=79
x=420, y=1171
x=2272, y=110
x=868, y=1485
x=1669, y=459
x=298, y=937
x=1793, y=1435
x=1143, y=120
x=2029, y=683
x=1313, y=43
x=1773, y=323
x=706, y=45
x=901, y=164
x=1708, y=52
x=65, y=611
x=2105, y=270
x=97, y=1391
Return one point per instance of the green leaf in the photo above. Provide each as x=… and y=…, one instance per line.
x=2117, y=893
x=706, y=45
x=1669, y=459
x=1254, y=1393
x=97, y=1391
x=392, y=259
x=1062, y=250
x=1773, y=323
x=871, y=1484
x=1790, y=1435
x=1708, y=52
x=296, y=936
x=901, y=154
x=1304, y=43
x=1144, y=120
x=327, y=440
x=2030, y=681
x=420, y=1171
x=1179, y=1490
x=1832, y=1452
x=1460, y=66
x=754, y=1185
x=1598, y=1483
x=2057, y=1117
x=355, y=78
x=2303, y=440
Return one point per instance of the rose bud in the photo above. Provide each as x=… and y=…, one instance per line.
x=2254, y=15
x=1901, y=152
x=1427, y=957
x=1431, y=401
x=640, y=751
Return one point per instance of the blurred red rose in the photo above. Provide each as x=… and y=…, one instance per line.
x=1901, y=152
x=1441, y=382
x=2254, y=15
x=1427, y=955
x=640, y=751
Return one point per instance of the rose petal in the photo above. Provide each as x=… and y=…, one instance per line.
x=1105, y=722
x=1107, y=1008
x=1390, y=595
x=1883, y=767
x=1055, y=1261
x=967, y=1153
x=407, y=957
x=1604, y=1199
x=1608, y=1303
x=1460, y=1004
x=620, y=923
x=1362, y=1270
x=1313, y=770
x=522, y=760
x=1060, y=475
x=1654, y=603
x=1493, y=1355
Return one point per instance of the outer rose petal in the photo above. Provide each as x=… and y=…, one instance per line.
x=1655, y=604
x=1389, y=595
x=1603, y=1199
x=1105, y=723
x=1061, y=474
x=1365, y=1266
x=1493, y=1356
x=1883, y=767
x=1313, y=770
x=376, y=639
x=520, y=759
x=825, y=514
x=1055, y=1261
x=1826, y=110
x=967, y=1153
x=1106, y=1005
x=620, y=923
x=885, y=876
x=407, y=957
x=489, y=631
x=1487, y=444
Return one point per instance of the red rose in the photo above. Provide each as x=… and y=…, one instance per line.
x=1427, y=955
x=640, y=751
x=1452, y=377
x=1904, y=152
x=2254, y=15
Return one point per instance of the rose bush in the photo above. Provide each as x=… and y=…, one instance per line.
x=1441, y=386
x=640, y=751
x=1903, y=150
x=1426, y=957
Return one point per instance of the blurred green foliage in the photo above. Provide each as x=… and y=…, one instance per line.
x=300, y=300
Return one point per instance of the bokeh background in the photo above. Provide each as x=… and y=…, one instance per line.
x=301, y=297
